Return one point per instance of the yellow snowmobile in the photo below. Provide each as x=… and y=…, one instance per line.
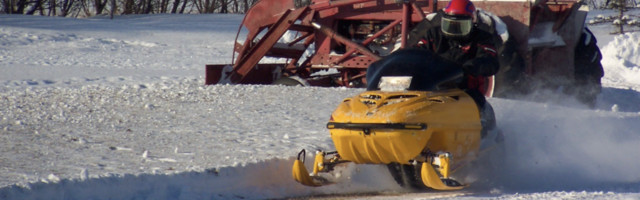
x=413, y=118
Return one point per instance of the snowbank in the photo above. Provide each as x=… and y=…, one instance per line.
x=622, y=63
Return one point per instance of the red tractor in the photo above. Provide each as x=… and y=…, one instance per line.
x=331, y=43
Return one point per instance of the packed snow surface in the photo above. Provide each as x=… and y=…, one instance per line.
x=117, y=109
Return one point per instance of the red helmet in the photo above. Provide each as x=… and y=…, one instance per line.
x=458, y=18
x=460, y=8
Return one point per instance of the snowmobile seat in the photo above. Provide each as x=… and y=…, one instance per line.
x=430, y=72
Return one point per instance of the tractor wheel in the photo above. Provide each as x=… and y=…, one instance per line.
x=588, y=87
x=489, y=86
x=508, y=82
x=407, y=176
x=291, y=81
x=588, y=70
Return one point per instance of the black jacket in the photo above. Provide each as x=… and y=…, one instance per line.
x=476, y=53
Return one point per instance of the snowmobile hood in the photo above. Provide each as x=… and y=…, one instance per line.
x=385, y=127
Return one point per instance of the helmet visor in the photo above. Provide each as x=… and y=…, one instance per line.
x=456, y=26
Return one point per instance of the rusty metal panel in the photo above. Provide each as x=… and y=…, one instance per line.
x=261, y=74
x=330, y=61
x=213, y=73
x=255, y=54
x=381, y=9
x=264, y=13
x=556, y=64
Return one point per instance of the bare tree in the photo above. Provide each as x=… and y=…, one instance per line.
x=176, y=3
x=99, y=6
x=14, y=6
x=620, y=5
x=621, y=8
x=630, y=3
x=52, y=8
x=113, y=8
x=147, y=7
x=184, y=5
x=235, y=6
x=223, y=6
x=205, y=6
x=163, y=7
x=65, y=7
x=75, y=8
x=37, y=4
x=247, y=5
x=128, y=7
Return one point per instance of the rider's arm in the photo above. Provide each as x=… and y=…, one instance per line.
x=485, y=63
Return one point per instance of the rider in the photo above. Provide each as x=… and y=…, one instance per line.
x=455, y=33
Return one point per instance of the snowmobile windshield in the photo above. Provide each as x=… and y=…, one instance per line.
x=428, y=72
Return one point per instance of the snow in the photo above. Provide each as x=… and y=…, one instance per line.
x=117, y=109
x=623, y=60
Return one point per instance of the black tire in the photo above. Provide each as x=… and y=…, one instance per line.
x=510, y=78
x=288, y=81
x=407, y=176
x=487, y=119
x=588, y=70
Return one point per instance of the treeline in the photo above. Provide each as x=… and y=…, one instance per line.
x=88, y=8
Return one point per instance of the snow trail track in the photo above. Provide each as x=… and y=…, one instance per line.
x=174, y=138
